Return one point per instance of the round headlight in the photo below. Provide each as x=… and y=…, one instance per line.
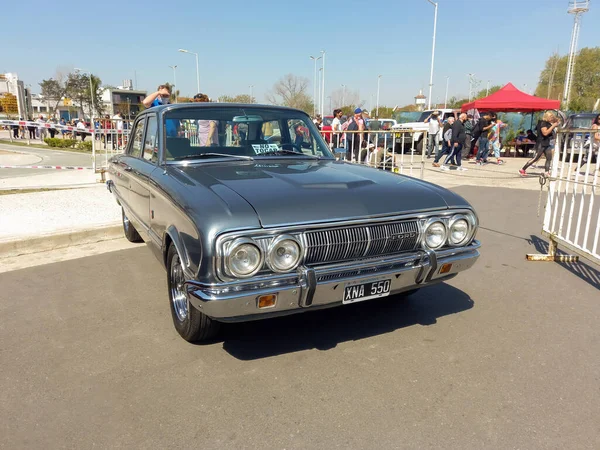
x=435, y=234
x=244, y=258
x=459, y=231
x=284, y=254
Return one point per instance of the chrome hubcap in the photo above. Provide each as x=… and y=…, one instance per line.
x=178, y=297
x=125, y=221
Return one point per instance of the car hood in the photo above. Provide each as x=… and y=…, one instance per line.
x=306, y=191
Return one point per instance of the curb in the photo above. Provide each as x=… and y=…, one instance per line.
x=44, y=243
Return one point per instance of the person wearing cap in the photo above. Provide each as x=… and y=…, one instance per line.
x=356, y=123
x=434, y=130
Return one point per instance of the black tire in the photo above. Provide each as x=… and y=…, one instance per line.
x=191, y=324
x=130, y=232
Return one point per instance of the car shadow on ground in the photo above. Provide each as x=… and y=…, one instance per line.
x=584, y=271
x=324, y=329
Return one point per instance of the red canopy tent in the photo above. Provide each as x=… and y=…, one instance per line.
x=510, y=99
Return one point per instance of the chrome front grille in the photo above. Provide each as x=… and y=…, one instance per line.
x=356, y=242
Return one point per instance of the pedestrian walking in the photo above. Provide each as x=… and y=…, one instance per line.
x=356, y=124
x=480, y=136
x=494, y=138
x=545, y=129
x=469, y=124
x=446, y=141
x=457, y=141
x=434, y=130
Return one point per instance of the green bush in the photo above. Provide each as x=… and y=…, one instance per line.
x=85, y=145
x=60, y=143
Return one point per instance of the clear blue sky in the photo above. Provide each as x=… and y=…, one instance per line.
x=242, y=43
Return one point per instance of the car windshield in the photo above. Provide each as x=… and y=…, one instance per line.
x=241, y=131
x=582, y=122
x=424, y=116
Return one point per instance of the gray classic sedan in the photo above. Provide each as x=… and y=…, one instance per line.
x=253, y=217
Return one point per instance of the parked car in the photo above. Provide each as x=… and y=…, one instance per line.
x=579, y=121
x=415, y=141
x=249, y=228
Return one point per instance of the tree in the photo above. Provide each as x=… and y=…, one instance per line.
x=240, y=98
x=585, y=89
x=78, y=88
x=53, y=90
x=291, y=91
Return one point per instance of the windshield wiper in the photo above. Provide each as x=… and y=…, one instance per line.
x=215, y=155
x=288, y=152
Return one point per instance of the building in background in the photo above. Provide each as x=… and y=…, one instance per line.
x=420, y=101
x=123, y=99
x=12, y=90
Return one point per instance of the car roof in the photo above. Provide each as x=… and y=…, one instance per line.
x=191, y=105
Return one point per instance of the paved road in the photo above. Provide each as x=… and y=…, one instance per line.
x=505, y=356
x=43, y=157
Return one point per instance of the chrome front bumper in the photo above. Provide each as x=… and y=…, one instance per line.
x=324, y=286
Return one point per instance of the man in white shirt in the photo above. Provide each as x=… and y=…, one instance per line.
x=81, y=128
x=336, y=128
x=434, y=130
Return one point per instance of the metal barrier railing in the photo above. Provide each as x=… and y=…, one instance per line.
x=400, y=151
x=572, y=216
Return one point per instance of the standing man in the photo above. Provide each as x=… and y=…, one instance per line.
x=466, y=151
x=356, y=124
x=482, y=129
x=434, y=130
x=457, y=142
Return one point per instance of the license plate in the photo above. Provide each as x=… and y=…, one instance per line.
x=365, y=291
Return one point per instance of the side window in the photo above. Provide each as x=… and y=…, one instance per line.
x=151, y=140
x=136, y=142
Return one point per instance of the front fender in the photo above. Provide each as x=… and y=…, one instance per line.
x=172, y=236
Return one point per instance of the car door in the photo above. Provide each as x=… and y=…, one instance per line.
x=122, y=164
x=142, y=166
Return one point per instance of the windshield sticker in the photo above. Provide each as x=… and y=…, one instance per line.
x=265, y=148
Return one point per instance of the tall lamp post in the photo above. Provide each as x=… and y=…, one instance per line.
x=323, y=88
x=315, y=59
x=174, y=81
x=378, y=80
x=343, y=94
x=487, y=88
x=470, y=75
x=251, y=92
x=320, y=106
x=197, y=71
x=435, y=5
x=446, y=97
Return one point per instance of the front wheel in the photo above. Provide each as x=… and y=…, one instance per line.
x=130, y=232
x=191, y=324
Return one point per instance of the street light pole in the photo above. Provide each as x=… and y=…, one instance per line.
x=446, y=97
x=197, y=70
x=343, y=95
x=323, y=90
x=378, y=80
x=470, y=84
x=315, y=59
x=435, y=5
x=174, y=81
x=319, y=106
x=251, y=92
x=487, y=89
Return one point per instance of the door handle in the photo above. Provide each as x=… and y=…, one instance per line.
x=128, y=169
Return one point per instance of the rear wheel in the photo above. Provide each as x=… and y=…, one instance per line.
x=191, y=324
x=130, y=232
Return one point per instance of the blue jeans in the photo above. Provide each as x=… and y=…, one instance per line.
x=444, y=150
x=455, y=153
x=483, y=151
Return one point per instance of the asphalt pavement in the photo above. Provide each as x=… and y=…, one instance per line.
x=505, y=356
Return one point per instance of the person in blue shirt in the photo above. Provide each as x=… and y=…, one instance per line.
x=162, y=96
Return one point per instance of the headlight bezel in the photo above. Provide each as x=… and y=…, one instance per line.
x=451, y=222
x=431, y=221
x=271, y=249
x=229, y=251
